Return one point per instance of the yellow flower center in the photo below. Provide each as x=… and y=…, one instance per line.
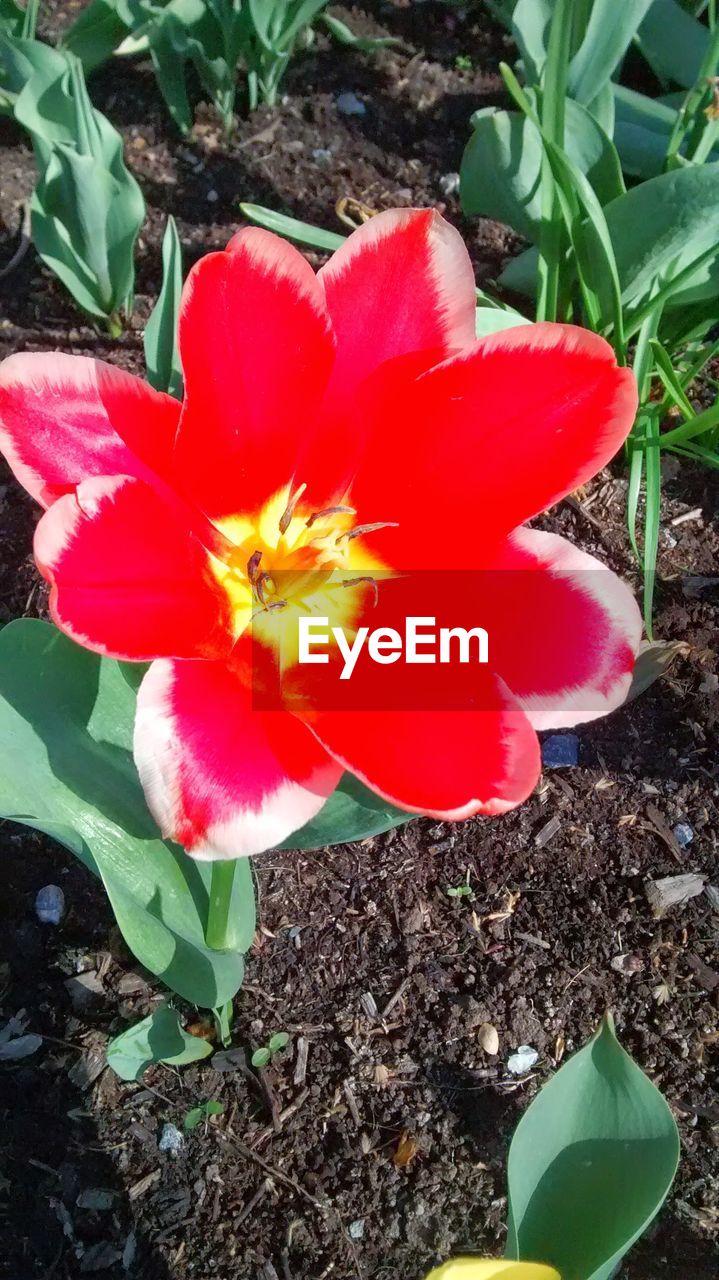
x=292, y=561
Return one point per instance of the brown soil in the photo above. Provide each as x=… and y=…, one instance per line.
x=319, y=1194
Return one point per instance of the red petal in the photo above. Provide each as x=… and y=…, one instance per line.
x=402, y=283
x=496, y=436
x=257, y=349
x=65, y=418
x=566, y=627
x=222, y=779
x=128, y=579
x=447, y=764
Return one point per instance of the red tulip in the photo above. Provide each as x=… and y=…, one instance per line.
x=317, y=405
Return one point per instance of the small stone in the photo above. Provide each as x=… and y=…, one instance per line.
x=212, y=196
x=449, y=184
x=50, y=904
x=684, y=834
x=171, y=1140
x=97, y=1198
x=356, y=1229
x=672, y=891
x=322, y=155
x=19, y=1047
x=627, y=963
x=348, y=104
x=84, y=990
x=488, y=1037
x=560, y=751
x=522, y=1060
x=669, y=539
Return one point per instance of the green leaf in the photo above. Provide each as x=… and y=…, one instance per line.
x=609, y=32
x=673, y=42
x=591, y=1162
x=198, y=1114
x=261, y=1057
x=162, y=357
x=66, y=723
x=278, y=1041
x=352, y=812
x=530, y=27
x=659, y=229
x=365, y=44
x=291, y=228
x=493, y=319
x=642, y=129
x=501, y=167
x=97, y=31
x=159, y=1038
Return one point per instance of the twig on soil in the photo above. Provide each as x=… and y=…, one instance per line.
x=234, y=1144
x=303, y=1049
x=393, y=1000
x=252, y=1204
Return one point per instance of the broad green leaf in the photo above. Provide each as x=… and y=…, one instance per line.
x=673, y=42
x=164, y=371
x=501, y=167
x=291, y=228
x=642, y=129
x=530, y=27
x=608, y=35
x=159, y=1038
x=97, y=32
x=494, y=319
x=198, y=1114
x=667, y=225
x=591, y=1162
x=66, y=723
x=352, y=812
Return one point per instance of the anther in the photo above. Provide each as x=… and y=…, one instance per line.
x=361, y=529
x=253, y=565
x=289, y=511
x=330, y=511
x=355, y=582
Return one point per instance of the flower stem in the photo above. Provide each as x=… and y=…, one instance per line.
x=218, y=913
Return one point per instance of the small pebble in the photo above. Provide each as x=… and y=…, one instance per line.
x=488, y=1037
x=449, y=184
x=627, y=963
x=356, y=1229
x=322, y=155
x=212, y=196
x=50, y=904
x=348, y=104
x=560, y=751
x=684, y=834
x=171, y=1140
x=669, y=539
x=522, y=1061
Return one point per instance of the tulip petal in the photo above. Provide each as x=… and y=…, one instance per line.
x=222, y=779
x=128, y=579
x=257, y=349
x=446, y=764
x=492, y=1269
x=497, y=436
x=65, y=418
x=566, y=627
x=403, y=283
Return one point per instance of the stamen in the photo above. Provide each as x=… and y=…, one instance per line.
x=355, y=582
x=253, y=565
x=361, y=529
x=330, y=511
x=264, y=580
x=289, y=511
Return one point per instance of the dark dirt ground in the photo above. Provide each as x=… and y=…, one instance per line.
x=345, y=931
